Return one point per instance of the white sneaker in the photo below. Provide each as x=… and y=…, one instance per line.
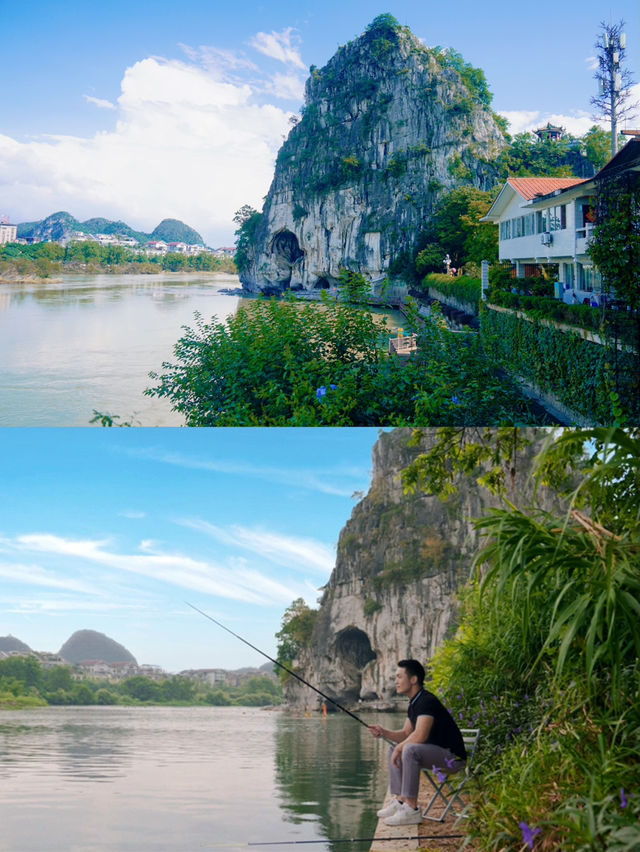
x=391, y=808
x=405, y=815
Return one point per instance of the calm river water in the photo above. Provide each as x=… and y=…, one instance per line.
x=89, y=342
x=99, y=779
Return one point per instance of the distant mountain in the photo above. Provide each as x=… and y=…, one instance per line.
x=174, y=231
x=59, y=227
x=10, y=643
x=86, y=645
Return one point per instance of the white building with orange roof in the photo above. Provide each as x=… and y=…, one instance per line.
x=550, y=221
x=547, y=221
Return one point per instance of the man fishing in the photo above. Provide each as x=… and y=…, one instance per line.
x=430, y=738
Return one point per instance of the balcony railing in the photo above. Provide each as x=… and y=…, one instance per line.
x=585, y=233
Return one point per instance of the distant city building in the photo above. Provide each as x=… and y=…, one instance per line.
x=225, y=251
x=210, y=676
x=8, y=233
x=156, y=247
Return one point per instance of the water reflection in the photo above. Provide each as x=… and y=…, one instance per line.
x=330, y=772
x=119, y=779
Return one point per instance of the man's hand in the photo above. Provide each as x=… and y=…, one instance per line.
x=377, y=731
x=396, y=756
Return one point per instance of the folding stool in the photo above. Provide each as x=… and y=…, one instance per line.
x=446, y=790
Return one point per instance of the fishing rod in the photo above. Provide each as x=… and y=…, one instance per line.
x=301, y=679
x=333, y=840
x=358, y=840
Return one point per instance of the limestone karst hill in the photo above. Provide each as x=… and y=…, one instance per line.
x=388, y=126
x=84, y=645
x=400, y=562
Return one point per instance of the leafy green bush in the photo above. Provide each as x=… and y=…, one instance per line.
x=281, y=363
x=464, y=289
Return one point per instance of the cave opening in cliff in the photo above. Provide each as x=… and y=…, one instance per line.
x=285, y=246
x=322, y=284
x=354, y=647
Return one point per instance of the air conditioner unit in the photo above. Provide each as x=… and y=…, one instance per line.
x=546, y=239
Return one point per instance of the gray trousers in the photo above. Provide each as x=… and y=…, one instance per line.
x=405, y=780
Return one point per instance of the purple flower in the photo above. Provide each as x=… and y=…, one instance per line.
x=321, y=392
x=450, y=761
x=333, y=387
x=455, y=400
x=440, y=775
x=623, y=798
x=528, y=834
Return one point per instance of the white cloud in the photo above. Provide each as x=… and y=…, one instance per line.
x=34, y=575
x=279, y=46
x=234, y=580
x=287, y=551
x=99, y=102
x=341, y=482
x=578, y=122
x=188, y=144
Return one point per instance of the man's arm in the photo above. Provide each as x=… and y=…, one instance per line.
x=394, y=736
x=419, y=735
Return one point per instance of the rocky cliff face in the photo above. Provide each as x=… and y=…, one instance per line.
x=388, y=126
x=401, y=559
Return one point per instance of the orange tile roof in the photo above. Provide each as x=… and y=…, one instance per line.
x=532, y=187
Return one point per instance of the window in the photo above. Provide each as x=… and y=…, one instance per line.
x=569, y=275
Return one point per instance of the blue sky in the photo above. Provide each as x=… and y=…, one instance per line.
x=113, y=530
x=141, y=111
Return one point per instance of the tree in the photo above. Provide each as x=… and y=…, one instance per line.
x=613, y=78
x=526, y=155
x=354, y=286
x=248, y=221
x=596, y=144
x=456, y=230
x=295, y=633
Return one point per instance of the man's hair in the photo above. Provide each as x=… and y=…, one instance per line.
x=413, y=667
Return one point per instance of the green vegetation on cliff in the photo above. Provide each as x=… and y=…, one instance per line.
x=546, y=658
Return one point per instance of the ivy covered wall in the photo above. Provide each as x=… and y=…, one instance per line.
x=595, y=381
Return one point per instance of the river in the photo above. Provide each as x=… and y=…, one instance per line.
x=88, y=342
x=101, y=779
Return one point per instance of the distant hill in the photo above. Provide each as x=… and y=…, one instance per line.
x=10, y=643
x=59, y=227
x=174, y=231
x=86, y=645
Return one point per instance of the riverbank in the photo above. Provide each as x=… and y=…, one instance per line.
x=13, y=276
x=445, y=836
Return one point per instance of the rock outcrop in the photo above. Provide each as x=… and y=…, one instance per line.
x=392, y=595
x=388, y=126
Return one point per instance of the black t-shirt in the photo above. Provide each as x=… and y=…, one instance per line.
x=444, y=731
